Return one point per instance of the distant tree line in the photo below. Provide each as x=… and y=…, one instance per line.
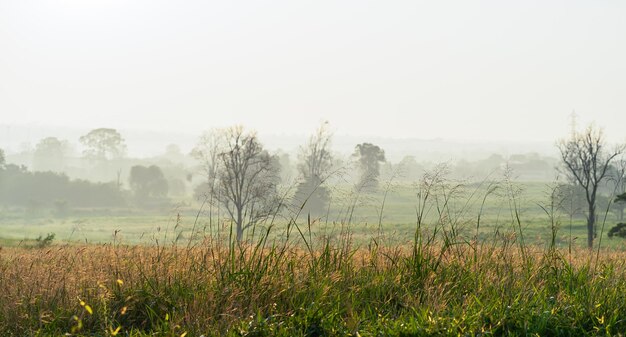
x=21, y=187
x=238, y=178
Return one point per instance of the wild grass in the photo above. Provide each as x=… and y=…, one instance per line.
x=444, y=280
x=431, y=288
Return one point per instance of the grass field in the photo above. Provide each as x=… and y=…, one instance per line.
x=442, y=260
x=465, y=203
x=435, y=286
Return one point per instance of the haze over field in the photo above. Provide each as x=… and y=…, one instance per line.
x=458, y=70
x=312, y=168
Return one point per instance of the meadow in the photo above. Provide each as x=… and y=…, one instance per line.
x=493, y=202
x=435, y=259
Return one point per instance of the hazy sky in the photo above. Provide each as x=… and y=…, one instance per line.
x=477, y=70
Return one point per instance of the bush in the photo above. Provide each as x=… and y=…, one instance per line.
x=44, y=242
x=618, y=230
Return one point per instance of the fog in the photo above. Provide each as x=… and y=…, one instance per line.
x=465, y=71
x=299, y=167
x=486, y=88
x=18, y=138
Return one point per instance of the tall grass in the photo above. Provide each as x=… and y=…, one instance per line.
x=285, y=281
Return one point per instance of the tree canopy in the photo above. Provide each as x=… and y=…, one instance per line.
x=103, y=144
x=369, y=157
x=49, y=155
x=148, y=182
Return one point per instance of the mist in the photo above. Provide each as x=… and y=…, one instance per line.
x=312, y=168
x=484, y=71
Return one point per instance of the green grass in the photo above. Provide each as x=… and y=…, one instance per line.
x=439, y=285
x=465, y=265
x=443, y=260
x=135, y=226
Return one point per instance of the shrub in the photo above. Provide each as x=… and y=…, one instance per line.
x=619, y=230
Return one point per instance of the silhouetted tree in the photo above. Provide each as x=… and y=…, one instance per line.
x=148, y=182
x=103, y=144
x=369, y=157
x=586, y=161
x=247, y=179
x=49, y=155
x=315, y=165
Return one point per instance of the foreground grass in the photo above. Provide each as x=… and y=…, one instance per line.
x=452, y=275
x=433, y=285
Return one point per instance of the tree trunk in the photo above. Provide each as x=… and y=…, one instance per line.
x=239, y=233
x=591, y=220
x=239, y=225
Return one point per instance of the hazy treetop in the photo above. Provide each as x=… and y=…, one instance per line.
x=452, y=69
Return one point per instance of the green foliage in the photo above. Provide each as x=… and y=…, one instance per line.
x=103, y=144
x=312, y=197
x=49, y=155
x=148, y=182
x=21, y=187
x=42, y=242
x=369, y=157
x=618, y=230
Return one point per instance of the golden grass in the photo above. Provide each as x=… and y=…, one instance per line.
x=213, y=287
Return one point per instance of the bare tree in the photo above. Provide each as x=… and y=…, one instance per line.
x=315, y=165
x=246, y=179
x=587, y=161
x=207, y=152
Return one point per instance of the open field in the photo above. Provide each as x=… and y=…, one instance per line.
x=464, y=204
x=441, y=260
x=452, y=260
x=434, y=286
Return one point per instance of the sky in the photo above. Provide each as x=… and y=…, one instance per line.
x=464, y=70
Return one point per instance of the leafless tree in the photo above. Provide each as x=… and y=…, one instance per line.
x=315, y=165
x=207, y=152
x=247, y=179
x=586, y=161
